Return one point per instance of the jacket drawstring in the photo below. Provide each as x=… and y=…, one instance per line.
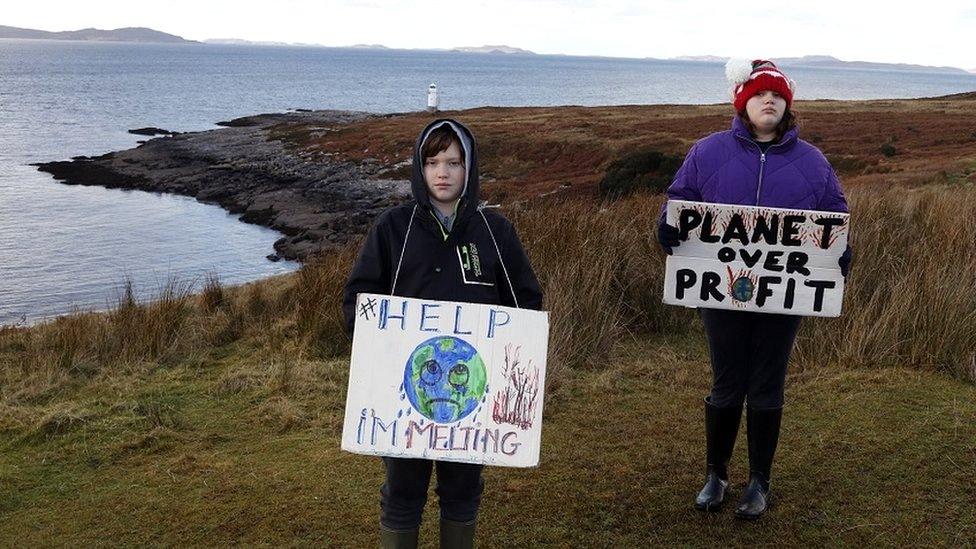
x=500, y=260
x=402, y=250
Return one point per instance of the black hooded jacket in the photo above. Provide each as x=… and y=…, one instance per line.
x=463, y=267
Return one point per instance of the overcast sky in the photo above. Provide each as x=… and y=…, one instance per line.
x=936, y=32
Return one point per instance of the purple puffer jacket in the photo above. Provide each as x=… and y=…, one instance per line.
x=728, y=168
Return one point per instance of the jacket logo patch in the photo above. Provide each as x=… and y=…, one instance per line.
x=470, y=260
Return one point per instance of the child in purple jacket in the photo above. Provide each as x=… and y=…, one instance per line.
x=759, y=162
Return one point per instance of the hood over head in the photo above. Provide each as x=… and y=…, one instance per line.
x=469, y=193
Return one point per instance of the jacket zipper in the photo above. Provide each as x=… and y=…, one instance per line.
x=762, y=166
x=762, y=163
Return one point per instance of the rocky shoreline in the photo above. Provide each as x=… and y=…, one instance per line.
x=320, y=177
x=317, y=202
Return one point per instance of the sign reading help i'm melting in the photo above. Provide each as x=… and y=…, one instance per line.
x=446, y=381
x=751, y=258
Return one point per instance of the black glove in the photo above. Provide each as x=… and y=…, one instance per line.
x=845, y=261
x=668, y=237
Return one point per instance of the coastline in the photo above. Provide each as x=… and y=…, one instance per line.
x=320, y=177
x=316, y=203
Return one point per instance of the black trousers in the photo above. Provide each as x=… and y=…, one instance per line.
x=404, y=494
x=749, y=353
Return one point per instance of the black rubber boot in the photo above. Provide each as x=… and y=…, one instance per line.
x=457, y=535
x=755, y=498
x=395, y=539
x=721, y=428
x=763, y=429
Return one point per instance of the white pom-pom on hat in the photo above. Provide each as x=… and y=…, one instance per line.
x=737, y=71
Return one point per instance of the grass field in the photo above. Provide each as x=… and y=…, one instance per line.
x=186, y=455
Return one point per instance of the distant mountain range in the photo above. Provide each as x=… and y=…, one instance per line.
x=826, y=61
x=493, y=49
x=128, y=34
x=465, y=49
x=143, y=34
x=240, y=42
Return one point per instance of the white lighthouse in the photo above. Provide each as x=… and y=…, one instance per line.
x=432, y=100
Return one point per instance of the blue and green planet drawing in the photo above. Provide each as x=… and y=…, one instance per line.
x=445, y=379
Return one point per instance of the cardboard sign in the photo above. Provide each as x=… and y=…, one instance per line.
x=750, y=258
x=446, y=381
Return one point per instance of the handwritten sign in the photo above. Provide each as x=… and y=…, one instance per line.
x=758, y=259
x=446, y=381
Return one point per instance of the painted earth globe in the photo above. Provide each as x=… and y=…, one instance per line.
x=445, y=379
x=742, y=289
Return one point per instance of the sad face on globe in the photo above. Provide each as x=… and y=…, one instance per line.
x=445, y=379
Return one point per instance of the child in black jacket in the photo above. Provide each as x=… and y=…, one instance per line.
x=442, y=246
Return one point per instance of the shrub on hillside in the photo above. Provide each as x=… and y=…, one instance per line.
x=648, y=170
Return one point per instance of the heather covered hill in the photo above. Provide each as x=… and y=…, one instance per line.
x=530, y=151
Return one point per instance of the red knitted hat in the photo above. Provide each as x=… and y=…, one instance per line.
x=751, y=77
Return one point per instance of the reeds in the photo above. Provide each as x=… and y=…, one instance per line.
x=911, y=296
x=910, y=300
x=600, y=270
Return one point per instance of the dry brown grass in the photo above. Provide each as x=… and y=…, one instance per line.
x=910, y=301
x=599, y=267
x=317, y=295
x=178, y=327
x=911, y=298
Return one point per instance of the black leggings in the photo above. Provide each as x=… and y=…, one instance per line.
x=749, y=354
x=404, y=494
